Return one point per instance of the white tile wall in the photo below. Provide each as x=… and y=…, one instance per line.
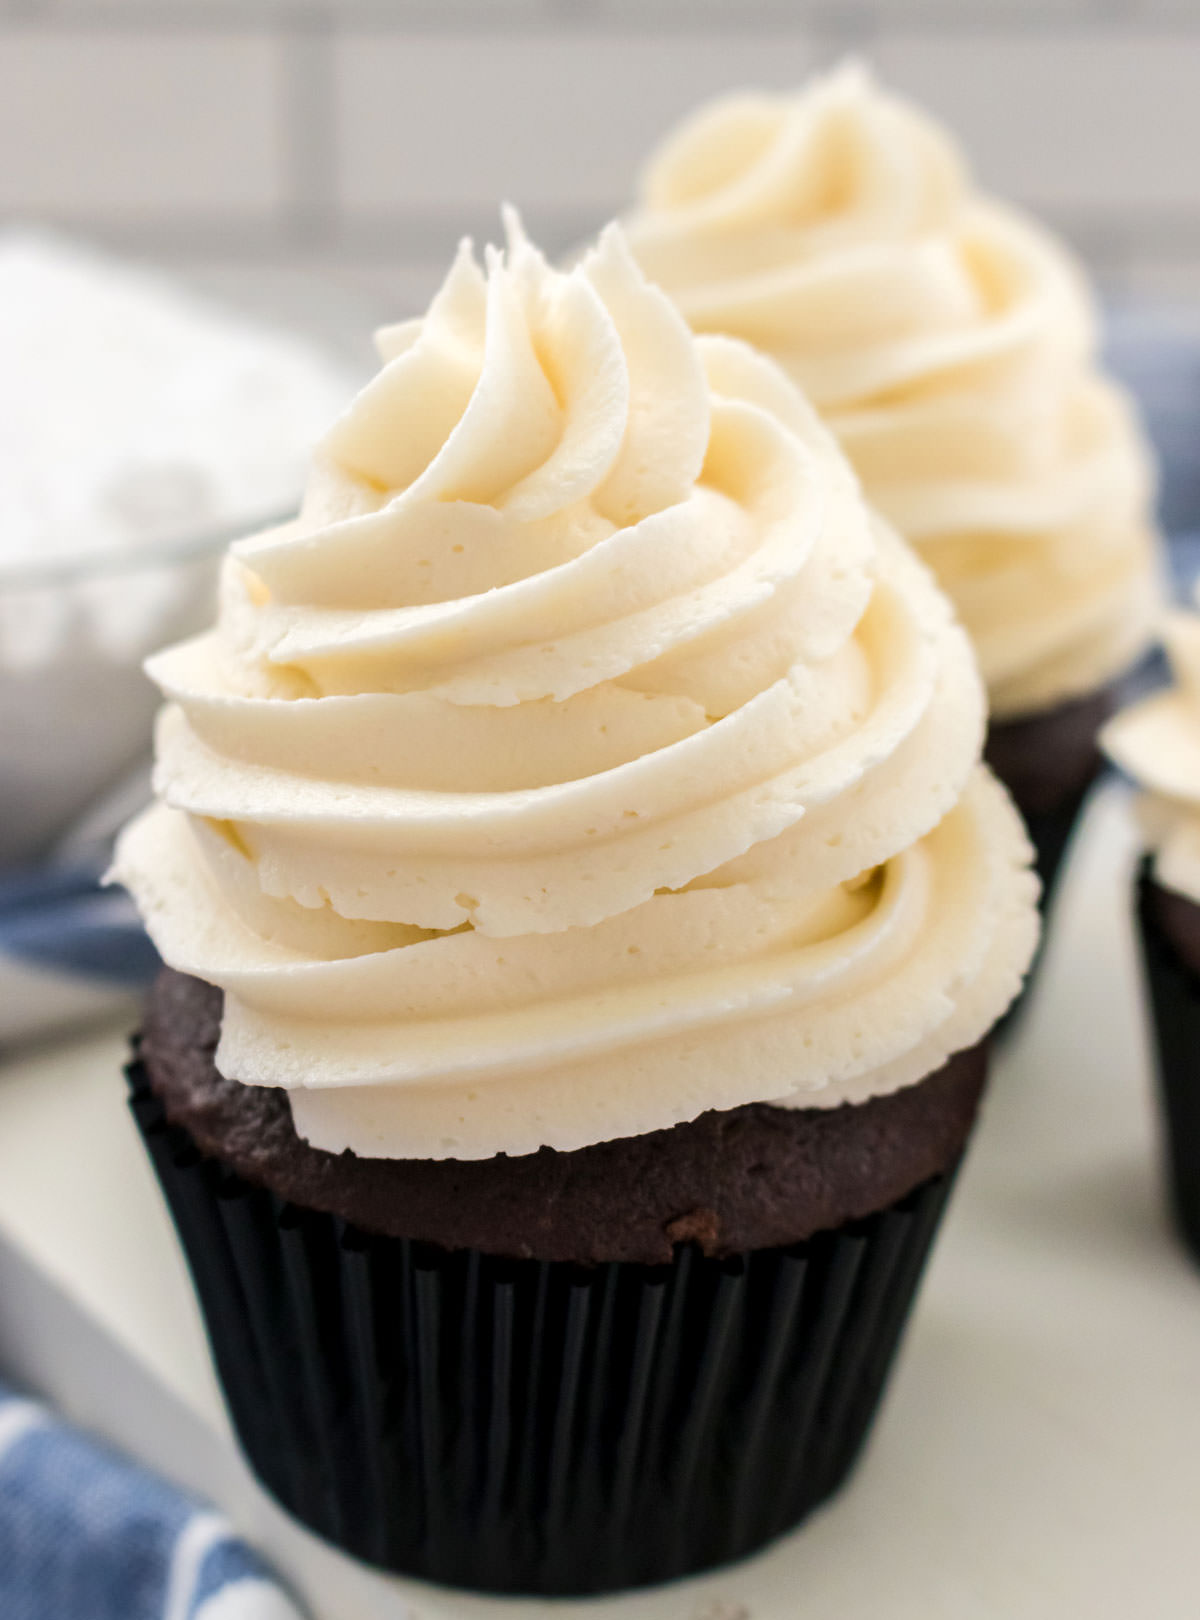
x=154, y=128
x=560, y=123
x=1103, y=124
x=378, y=130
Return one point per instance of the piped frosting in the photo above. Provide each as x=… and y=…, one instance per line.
x=584, y=757
x=950, y=345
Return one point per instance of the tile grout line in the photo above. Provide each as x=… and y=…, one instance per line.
x=1174, y=236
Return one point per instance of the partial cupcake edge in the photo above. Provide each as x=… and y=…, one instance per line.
x=1169, y=937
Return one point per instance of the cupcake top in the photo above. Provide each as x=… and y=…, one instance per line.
x=950, y=345
x=1157, y=742
x=584, y=757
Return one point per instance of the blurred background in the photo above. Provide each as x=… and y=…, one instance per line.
x=319, y=158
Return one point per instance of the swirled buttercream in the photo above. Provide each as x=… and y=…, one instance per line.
x=1157, y=742
x=584, y=757
x=947, y=341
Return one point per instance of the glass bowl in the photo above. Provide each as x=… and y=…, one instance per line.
x=76, y=709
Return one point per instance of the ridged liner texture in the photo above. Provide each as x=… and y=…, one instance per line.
x=519, y=1426
x=1175, y=1002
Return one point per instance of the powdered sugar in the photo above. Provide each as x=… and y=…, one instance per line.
x=131, y=411
x=140, y=427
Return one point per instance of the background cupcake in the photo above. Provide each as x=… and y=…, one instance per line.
x=949, y=343
x=586, y=909
x=1157, y=741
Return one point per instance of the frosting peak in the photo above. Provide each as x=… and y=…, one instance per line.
x=839, y=166
x=529, y=392
x=585, y=756
x=948, y=342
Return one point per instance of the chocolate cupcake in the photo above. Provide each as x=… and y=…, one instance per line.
x=585, y=911
x=950, y=345
x=1157, y=742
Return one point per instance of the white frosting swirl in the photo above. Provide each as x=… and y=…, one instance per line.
x=1157, y=742
x=585, y=757
x=948, y=342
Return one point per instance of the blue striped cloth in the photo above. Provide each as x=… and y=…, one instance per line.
x=86, y=1535
x=68, y=950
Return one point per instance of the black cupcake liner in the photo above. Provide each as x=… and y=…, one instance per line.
x=519, y=1426
x=1050, y=834
x=1175, y=1003
x=1050, y=761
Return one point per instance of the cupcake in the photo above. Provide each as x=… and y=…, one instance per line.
x=585, y=912
x=950, y=345
x=1157, y=742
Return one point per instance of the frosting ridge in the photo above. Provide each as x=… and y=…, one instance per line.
x=947, y=341
x=584, y=757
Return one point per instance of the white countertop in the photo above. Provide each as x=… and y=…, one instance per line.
x=1038, y=1457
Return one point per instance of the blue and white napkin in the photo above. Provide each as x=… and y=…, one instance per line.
x=71, y=950
x=87, y=1535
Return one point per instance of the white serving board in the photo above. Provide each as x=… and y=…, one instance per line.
x=1038, y=1457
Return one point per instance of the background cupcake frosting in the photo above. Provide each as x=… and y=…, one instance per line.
x=1157, y=741
x=575, y=764
x=948, y=342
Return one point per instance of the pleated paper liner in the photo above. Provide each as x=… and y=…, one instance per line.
x=1050, y=835
x=1175, y=1003
x=517, y=1426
